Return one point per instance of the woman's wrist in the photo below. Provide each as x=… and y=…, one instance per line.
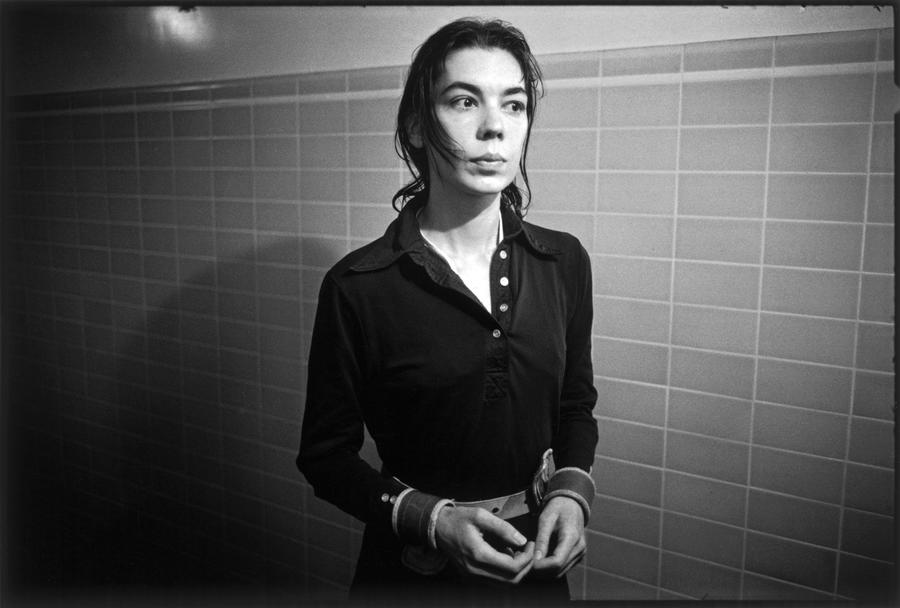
x=432, y=523
x=573, y=483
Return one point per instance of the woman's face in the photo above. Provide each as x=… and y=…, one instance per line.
x=480, y=101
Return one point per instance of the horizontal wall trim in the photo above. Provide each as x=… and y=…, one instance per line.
x=188, y=168
x=560, y=83
x=725, y=263
x=650, y=586
x=173, y=254
x=845, y=416
x=725, y=75
x=400, y=167
x=280, y=297
x=829, y=548
x=735, y=484
x=750, y=356
x=679, y=303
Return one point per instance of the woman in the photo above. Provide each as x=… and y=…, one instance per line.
x=461, y=339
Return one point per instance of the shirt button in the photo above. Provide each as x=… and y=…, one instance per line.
x=496, y=333
x=504, y=281
x=385, y=497
x=504, y=307
x=503, y=254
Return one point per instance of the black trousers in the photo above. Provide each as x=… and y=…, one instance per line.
x=382, y=580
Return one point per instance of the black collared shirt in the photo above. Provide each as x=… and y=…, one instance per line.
x=461, y=402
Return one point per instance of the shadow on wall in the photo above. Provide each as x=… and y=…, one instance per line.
x=176, y=468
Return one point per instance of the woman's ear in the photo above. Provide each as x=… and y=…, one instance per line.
x=414, y=132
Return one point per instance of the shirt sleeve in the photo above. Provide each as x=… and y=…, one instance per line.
x=332, y=431
x=576, y=436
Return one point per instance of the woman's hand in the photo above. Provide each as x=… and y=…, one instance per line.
x=561, y=521
x=482, y=544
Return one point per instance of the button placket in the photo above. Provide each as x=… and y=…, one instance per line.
x=503, y=293
x=497, y=363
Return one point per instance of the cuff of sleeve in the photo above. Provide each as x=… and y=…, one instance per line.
x=395, y=512
x=432, y=520
x=575, y=483
x=412, y=515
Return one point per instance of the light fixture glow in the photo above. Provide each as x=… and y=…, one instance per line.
x=186, y=26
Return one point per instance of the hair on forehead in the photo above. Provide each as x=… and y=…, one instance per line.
x=482, y=43
x=503, y=75
x=417, y=111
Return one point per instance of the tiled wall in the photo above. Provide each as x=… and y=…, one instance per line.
x=737, y=201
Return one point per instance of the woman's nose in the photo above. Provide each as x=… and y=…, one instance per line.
x=491, y=124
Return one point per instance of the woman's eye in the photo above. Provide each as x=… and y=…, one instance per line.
x=517, y=106
x=463, y=103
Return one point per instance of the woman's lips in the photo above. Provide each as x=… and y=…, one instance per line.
x=489, y=160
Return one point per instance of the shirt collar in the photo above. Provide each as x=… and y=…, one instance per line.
x=403, y=236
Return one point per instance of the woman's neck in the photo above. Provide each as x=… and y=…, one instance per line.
x=466, y=237
x=461, y=227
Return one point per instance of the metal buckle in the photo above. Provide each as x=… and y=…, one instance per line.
x=542, y=477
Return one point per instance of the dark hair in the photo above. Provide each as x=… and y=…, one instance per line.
x=417, y=104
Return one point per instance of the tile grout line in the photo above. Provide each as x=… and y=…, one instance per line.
x=547, y=170
x=213, y=198
x=695, y=261
x=92, y=458
x=141, y=252
x=854, y=362
x=646, y=79
x=598, y=118
x=345, y=203
x=305, y=523
x=736, y=485
x=178, y=281
x=669, y=346
x=149, y=310
x=758, y=328
x=252, y=409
